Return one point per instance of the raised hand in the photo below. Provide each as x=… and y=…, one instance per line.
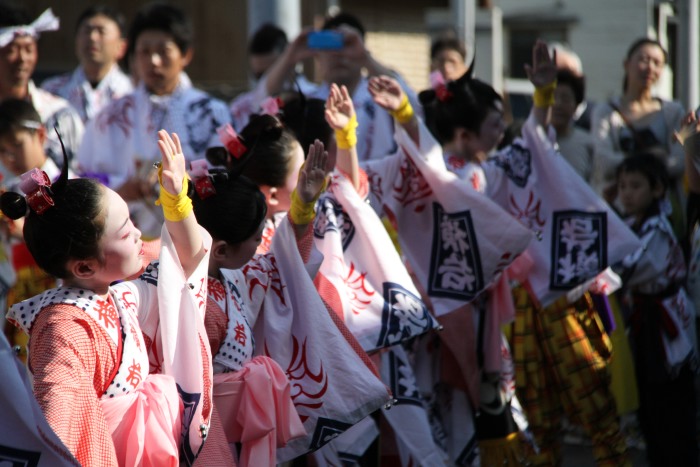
x=386, y=92
x=172, y=162
x=313, y=173
x=690, y=126
x=339, y=107
x=544, y=69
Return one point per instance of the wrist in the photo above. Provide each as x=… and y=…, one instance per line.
x=404, y=113
x=346, y=137
x=544, y=95
x=175, y=207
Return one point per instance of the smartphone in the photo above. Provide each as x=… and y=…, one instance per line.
x=325, y=40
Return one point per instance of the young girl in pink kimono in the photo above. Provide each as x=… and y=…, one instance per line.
x=121, y=370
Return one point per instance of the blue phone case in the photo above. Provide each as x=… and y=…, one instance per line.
x=325, y=40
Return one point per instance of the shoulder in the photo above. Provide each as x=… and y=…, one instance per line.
x=55, y=84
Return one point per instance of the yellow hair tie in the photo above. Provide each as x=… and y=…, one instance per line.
x=544, y=95
x=303, y=213
x=346, y=137
x=175, y=207
x=404, y=113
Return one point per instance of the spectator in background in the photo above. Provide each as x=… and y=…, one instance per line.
x=345, y=66
x=99, y=45
x=448, y=56
x=568, y=60
x=575, y=144
x=265, y=47
x=120, y=145
x=18, y=58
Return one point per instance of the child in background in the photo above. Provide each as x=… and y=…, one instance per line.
x=22, y=148
x=93, y=345
x=662, y=319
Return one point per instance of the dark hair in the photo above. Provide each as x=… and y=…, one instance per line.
x=576, y=83
x=448, y=43
x=641, y=42
x=271, y=146
x=165, y=18
x=13, y=14
x=466, y=106
x=13, y=115
x=102, y=10
x=267, y=39
x=306, y=118
x=648, y=165
x=70, y=229
x=345, y=19
x=235, y=211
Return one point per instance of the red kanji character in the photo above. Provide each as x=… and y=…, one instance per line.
x=134, y=376
x=106, y=312
x=240, y=336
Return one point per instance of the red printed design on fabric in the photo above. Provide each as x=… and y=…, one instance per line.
x=107, y=313
x=530, y=215
x=455, y=162
x=503, y=262
x=306, y=387
x=216, y=291
x=476, y=184
x=134, y=377
x=118, y=116
x=201, y=294
x=274, y=281
x=240, y=331
x=375, y=183
x=410, y=186
x=266, y=241
x=358, y=292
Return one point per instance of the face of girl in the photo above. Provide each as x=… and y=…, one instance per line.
x=645, y=65
x=279, y=198
x=121, y=246
x=492, y=129
x=636, y=193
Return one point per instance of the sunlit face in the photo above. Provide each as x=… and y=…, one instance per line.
x=636, y=193
x=260, y=63
x=120, y=246
x=564, y=106
x=450, y=63
x=160, y=61
x=22, y=150
x=99, y=41
x=645, y=65
x=17, y=61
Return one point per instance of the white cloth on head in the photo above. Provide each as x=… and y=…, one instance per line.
x=44, y=23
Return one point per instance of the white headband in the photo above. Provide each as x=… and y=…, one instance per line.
x=46, y=22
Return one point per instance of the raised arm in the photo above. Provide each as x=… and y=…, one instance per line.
x=177, y=206
x=387, y=94
x=283, y=68
x=310, y=185
x=340, y=115
x=543, y=74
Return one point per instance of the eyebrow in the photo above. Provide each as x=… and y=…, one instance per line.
x=124, y=224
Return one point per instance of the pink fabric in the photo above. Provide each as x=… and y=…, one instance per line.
x=499, y=311
x=145, y=424
x=256, y=410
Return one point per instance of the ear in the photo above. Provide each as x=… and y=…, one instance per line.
x=219, y=250
x=271, y=195
x=187, y=57
x=41, y=134
x=122, y=49
x=658, y=191
x=82, y=269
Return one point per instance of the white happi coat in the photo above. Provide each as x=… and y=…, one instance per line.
x=332, y=390
x=88, y=101
x=121, y=142
x=456, y=240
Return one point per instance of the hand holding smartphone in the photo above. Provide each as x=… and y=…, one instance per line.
x=325, y=40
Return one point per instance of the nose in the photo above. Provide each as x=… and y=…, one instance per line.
x=156, y=59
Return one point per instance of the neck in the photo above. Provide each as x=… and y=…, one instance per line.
x=18, y=91
x=95, y=72
x=562, y=129
x=637, y=94
x=101, y=290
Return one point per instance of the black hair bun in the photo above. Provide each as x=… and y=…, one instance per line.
x=218, y=156
x=13, y=205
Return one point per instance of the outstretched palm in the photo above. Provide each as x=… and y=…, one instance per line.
x=339, y=107
x=173, y=162
x=313, y=173
x=386, y=92
x=544, y=69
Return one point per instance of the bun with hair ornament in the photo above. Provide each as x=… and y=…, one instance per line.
x=231, y=141
x=36, y=184
x=203, y=184
x=272, y=105
x=437, y=82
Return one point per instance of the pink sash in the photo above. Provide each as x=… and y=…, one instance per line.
x=257, y=411
x=145, y=424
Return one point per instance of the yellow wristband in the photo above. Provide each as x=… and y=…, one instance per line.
x=404, y=113
x=303, y=213
x=544, y=96
x=175, y=207
x=346, y=137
